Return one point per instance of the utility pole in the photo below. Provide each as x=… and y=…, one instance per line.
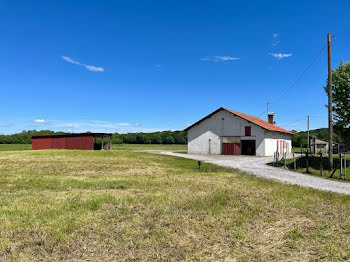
x=308, y=134
x=308, y=144
x=330, y=103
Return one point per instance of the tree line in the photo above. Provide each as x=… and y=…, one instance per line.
x=164, y=137
x=300, y=138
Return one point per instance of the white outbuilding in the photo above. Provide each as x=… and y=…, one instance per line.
x=229, y=132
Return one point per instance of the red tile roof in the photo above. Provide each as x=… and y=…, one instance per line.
x=253, y=119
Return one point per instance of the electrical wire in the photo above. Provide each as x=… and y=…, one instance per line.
x=342, y=33
x=319, y=116
x=298, y=78
x=305, y=70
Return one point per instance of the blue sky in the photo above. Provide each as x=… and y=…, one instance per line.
x=126, y=66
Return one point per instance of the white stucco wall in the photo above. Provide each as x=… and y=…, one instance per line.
x=205, y=138
x=214, y=128
x=271, y=139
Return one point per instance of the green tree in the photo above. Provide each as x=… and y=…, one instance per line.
x=142, y=138
x=129, y=138
x=156, y=138
x=341, y=100
x=169, y=140
x=117, y=139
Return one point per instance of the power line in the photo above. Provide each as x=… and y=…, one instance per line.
x=305, y=70
x=303, y=118
x=298, y=78
x=342, y=33
x=319, y=116
x=293, y=122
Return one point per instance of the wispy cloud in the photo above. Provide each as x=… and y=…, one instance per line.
x=6, y=125
x=88, y=67
x=99, y=126
x=39, y=121
x=93, y=126
x=219, y=58
x=276, y=41
x=280, y=55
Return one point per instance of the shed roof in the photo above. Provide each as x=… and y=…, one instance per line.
x=319, y=140
x=253, y=119
x=73, y=135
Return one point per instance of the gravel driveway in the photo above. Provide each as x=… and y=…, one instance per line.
x=257, y=166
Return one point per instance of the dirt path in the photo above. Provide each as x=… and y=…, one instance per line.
x=257, y=166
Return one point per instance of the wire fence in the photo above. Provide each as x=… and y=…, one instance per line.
x=318, y=163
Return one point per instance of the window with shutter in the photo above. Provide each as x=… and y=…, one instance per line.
x=248, y=131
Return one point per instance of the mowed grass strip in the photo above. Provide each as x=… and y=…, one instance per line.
x=15, y=147
x=144, y=147
x=115, y=205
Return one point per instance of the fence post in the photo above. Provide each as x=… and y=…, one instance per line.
x=321, y=164
x=307, y=161
x=294, y=162
x=274, y=158
x=285, y=160
x=341, y=166
x=344, y=166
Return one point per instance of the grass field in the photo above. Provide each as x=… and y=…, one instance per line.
x=129, y=147
x=137, y=147
x=15, y=147
x=120, y=205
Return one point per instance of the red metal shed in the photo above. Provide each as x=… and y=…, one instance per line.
x=83, y=141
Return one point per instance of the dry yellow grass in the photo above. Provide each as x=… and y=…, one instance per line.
x=103, y=206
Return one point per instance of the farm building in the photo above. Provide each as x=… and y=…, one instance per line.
x=229, y=132
x=83, y=141
x=318, y=145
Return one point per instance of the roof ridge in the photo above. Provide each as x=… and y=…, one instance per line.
x=254, y=119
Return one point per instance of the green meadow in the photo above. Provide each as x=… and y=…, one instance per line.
x=15, y=147
x=58, y=205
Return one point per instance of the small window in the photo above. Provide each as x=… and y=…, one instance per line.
x=248, y=131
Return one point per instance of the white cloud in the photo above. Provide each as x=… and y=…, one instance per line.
x=128, y=124
x=280, y=55
x=6, y=125
x=96, y=126
x=88, y=67
x=94, y=68
x=276, y=40
x=219, y=58
x=70, y=60
x=276, y=43
x=39, y=121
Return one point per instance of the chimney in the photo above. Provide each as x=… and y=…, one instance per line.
x=270, y=117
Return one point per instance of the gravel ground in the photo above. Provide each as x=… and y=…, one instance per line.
x=257, y=166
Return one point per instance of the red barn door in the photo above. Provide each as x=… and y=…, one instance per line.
x=231, y=148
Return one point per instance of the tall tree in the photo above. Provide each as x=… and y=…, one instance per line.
x=341, y=100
